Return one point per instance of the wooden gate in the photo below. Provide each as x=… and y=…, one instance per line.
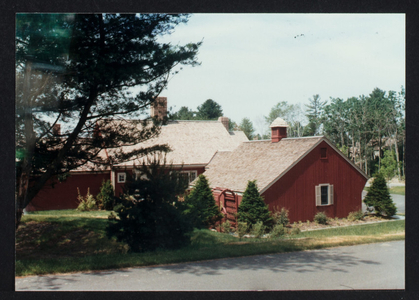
x=227, y=201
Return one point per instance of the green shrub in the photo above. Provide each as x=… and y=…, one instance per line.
x=295, y=231
x=150, y=217
x=106, y=195
x=252, y=208
x=242, y=229
x=320, y=218
x=355, y=215
x=280, y=216
x=226, y=227
x=378, y=197
x=201, y=206
x=258, y=229
x=86, y=203
x=277, y=230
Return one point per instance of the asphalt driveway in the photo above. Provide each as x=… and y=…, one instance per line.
x=362, y=267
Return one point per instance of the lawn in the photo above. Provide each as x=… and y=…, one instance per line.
x=398, y=190
x=71, y=241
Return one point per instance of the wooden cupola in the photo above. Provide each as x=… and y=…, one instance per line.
x=278, y=130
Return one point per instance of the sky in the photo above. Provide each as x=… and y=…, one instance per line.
x=250, y=62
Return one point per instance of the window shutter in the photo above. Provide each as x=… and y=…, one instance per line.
x=331, y=194
x=318, y=196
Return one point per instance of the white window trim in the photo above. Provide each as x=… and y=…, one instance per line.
x=124, y=175
x=319, y=194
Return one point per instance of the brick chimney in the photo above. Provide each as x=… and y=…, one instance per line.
x=159, y=108
x=279, y=130
x=224, y=121
x=56, y=129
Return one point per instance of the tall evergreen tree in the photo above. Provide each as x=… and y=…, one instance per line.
x=252, y=208
x=314, y=113
x=201, y=205
x=78, y=70
x=247, y=127
x=378, y=197
x=209, y=110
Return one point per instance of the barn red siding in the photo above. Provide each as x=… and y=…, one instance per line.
x=63, y=195
x=296, y=189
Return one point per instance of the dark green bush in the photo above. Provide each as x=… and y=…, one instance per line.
x=252, y=208
x=378, y=197
x=320, y=218
x=201, y=206
x=150, y=215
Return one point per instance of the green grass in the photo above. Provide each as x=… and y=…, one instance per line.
x=399, y=190
x=71, y=241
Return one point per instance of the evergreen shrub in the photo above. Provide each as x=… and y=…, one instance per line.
x=150, y=215
x=378, y=197
x=201, y=206
x=106, y=195
x=252, y=208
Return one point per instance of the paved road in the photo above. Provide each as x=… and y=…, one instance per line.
x=399, y=200
x=374, y=266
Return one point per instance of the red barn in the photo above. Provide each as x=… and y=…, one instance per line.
x=305, y=175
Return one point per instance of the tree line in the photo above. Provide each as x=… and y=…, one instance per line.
x=369, y=130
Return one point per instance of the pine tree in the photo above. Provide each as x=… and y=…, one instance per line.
x=379, y=198
x=201, y=205
x=150, y=215
x=252, y=208
x=78, y=70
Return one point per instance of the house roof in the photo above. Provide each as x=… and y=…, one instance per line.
x=192, y=142
x=253, y=160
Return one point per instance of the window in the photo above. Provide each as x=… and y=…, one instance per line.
x=191, y=175
x=324, y=194
x=323, y=153
x=121, y=177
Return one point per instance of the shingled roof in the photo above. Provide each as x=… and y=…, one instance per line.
x=193, y=142
x=262, y=161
